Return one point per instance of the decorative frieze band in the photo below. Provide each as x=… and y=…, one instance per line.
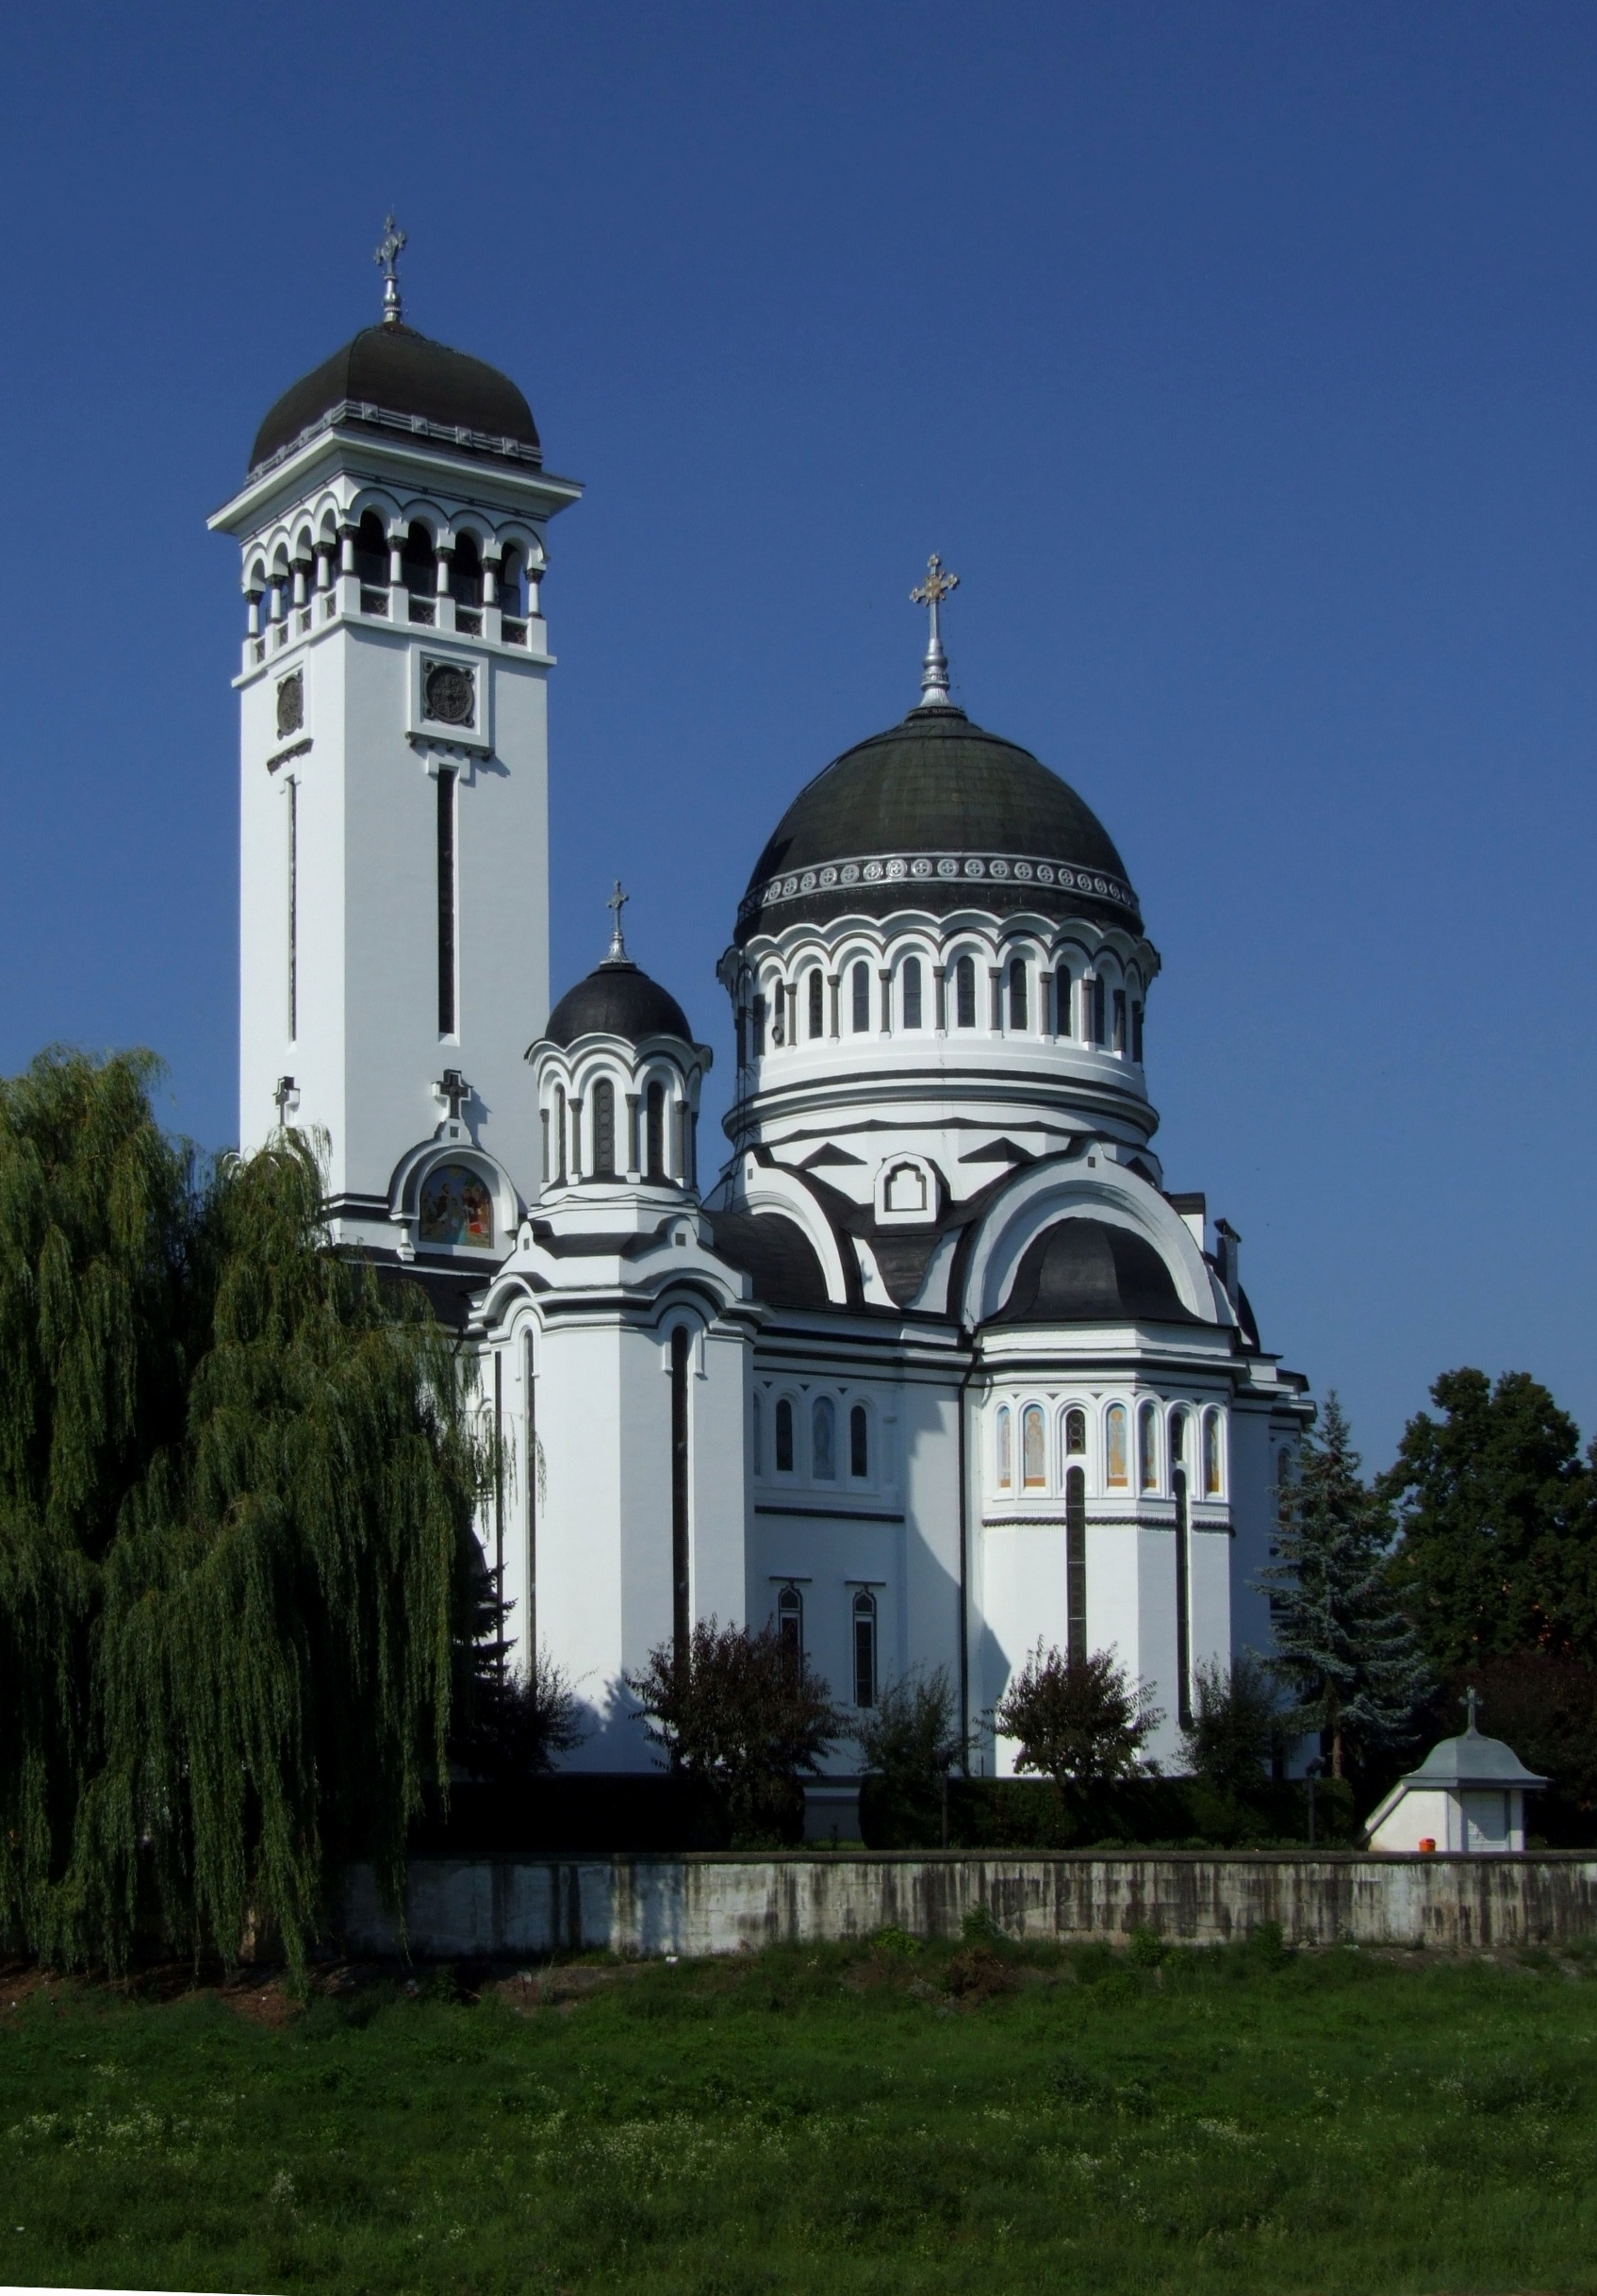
x=975, y=867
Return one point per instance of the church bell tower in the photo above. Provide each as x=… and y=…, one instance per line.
x=394, y=816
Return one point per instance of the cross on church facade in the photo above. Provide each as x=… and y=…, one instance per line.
x=939, y=585
x=452, y=1086
x=388, y=254
x=284, y=1096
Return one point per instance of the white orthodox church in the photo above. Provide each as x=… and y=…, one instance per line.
x=933, y=1366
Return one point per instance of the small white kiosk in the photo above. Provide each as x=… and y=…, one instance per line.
x=1469, y=1795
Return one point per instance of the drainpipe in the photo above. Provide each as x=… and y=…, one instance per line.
x=964, y=1581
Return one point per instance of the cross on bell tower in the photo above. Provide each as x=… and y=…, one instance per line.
x=935, y=668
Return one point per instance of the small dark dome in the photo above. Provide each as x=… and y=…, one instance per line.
x=616, y=999
x=936, y=814
x=398, y=371
x=1090, y=1271
x=775, y=1254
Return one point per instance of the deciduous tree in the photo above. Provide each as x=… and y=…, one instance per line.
x=1080, y=1722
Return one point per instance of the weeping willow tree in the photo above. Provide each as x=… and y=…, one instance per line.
x=237, y=1482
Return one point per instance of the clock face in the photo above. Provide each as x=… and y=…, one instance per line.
x=449, y=694
x=290, y=704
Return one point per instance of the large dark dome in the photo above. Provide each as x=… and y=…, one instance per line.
x=393, y=370
x=616, y=999
x=936, y=814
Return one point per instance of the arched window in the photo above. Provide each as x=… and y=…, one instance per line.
x=758, y=1028
x=560, y=1136
x=1117, y=1473
x=456, y=1207
x=1177, y=1439
x=757, y=1432
x=466, y=572
x=1118, y=1038
x=858, y=989
x=1137, y=1032
x=372, y=553
x=784, y=1436
x=1211, y=1476
x=1063, y=1019
x=1148, y=1447
x=1099, y=1010
x=654, y=1133
x=1033, y=1465
x=864, y=1649
x=823, y=1439
x=421, y=562
x=790, y=1621
x=1075, y=1432
x=512, y=577
x=817, y=1009
x=1076, y=1566
x=604, y=1130
x=859, y=1442
x=964, y=993
x=912, y=993
x=1017, y=993
x=1005, y=1461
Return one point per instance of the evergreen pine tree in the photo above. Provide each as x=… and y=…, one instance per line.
x=1341, y=1643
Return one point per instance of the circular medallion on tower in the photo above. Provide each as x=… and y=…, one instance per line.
x=448, y=693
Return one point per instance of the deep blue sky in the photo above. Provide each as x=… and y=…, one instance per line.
x=1243, y=360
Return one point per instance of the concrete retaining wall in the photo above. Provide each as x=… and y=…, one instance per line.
x=487, y=1907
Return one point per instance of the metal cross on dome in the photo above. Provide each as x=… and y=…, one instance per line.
x=934, y=669
x=388, y=254
x=1471, y=1702
x=617, y=903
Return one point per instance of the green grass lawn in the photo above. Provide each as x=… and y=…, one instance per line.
x=880, y=2118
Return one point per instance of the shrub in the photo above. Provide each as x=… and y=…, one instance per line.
x=1080, y=1722
x=908, y=1743
x=1232, y=1732
x=742, y=1712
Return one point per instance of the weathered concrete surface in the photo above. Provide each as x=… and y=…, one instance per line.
x=461, y=1908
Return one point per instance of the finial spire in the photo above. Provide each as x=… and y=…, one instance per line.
x=935, y=668
x=618, y=901
x=1471, y=1702
x=388, y=254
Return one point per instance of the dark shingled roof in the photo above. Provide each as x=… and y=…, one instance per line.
x=775, y=1254
x=404, y=374
x=1090, y=1271
x=616, y=999
x=936, y=787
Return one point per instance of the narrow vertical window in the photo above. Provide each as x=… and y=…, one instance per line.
x=1017, y=993
x=864, y=1650
x=1183, y=1624
x=680, y=1619
x=964, y=993
x=1099, y=1010
x=758, y=1028
x=1117, y=1470
x=1033, y=1465
x=784, y=1436
x=293, y=909
x=790, y=1621
x=1005, y=1461
x=560, y=1136
x=859, y=1442
x=528, y=1368
x=1118, y=1041
x=757, y=1432
x=1211, y=1455
x=1177, y=1439
x=1147, y=1447
x=740, y=1029
x=816, y=988
x=1076, y=1433
x=1076, y=1566
x=604, y=1130
x=654, y=1133
x=544, y=1121
x=859, y=985
x=1137, y=1032
x=1063, y=1017
x=912, y=993
x=823, y=1440
x=446, y=903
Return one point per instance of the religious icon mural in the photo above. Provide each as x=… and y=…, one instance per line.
x=456, y=1206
